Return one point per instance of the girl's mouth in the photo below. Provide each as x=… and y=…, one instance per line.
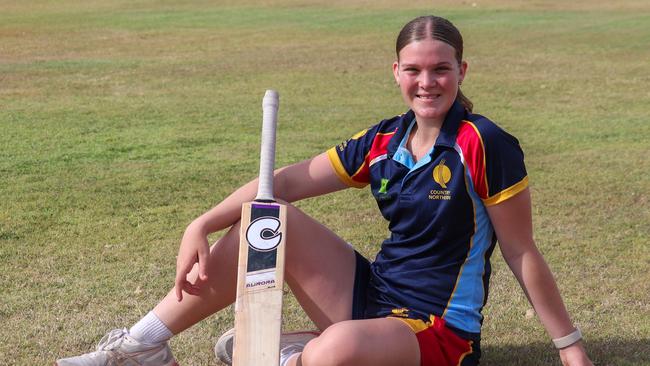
x=427, y=96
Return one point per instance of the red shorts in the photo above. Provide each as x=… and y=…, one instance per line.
x=439, y=345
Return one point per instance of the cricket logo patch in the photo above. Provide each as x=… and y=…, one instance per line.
x=442, y=174
x=264, y=234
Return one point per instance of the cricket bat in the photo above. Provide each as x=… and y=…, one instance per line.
x=260, y=271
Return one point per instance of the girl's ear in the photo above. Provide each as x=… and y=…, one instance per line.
x=396, y=71
x=462, y=71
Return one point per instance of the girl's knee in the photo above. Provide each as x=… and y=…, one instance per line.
x=338, y=345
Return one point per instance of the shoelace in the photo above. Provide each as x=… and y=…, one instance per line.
x=112, y=340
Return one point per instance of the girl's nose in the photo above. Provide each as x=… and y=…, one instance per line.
x=427, y=79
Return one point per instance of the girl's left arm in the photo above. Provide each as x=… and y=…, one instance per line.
x=512, y=221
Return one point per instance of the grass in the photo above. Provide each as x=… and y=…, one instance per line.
x=123, y=120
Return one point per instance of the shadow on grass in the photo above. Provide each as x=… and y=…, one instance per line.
x=603, y=352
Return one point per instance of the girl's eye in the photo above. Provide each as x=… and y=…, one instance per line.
x=441, y=70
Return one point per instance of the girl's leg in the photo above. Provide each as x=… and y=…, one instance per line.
x=376, y=342
x=319, y=268
x=218, y=291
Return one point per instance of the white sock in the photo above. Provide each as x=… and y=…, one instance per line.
x=150, y=330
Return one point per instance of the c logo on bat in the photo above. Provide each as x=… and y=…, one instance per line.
x=264, y=233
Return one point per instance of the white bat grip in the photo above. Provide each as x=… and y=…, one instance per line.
x=270, y=105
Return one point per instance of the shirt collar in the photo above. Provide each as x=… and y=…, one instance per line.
x=449, y=130
x=402, y=128
x=447, y=136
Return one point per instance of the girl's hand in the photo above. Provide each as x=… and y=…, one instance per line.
x=194, y=248
x=575, y=355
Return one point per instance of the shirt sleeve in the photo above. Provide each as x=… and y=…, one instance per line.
x=504, y=165
x=350, y=158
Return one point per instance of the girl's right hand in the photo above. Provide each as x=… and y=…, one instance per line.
x=194, y=248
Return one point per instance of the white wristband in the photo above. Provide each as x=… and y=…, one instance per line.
x=568, y=340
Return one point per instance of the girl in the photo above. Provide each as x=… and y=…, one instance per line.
x=449, y=182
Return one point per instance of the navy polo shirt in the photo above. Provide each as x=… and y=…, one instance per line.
x=436, y=259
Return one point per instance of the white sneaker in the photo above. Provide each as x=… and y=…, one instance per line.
x=290, y=350
x=289, y=344
x=118, y=348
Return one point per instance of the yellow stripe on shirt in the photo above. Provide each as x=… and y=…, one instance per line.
x=507, y=193
x=340, y=170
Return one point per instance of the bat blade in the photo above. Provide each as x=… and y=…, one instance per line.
x=258, y=308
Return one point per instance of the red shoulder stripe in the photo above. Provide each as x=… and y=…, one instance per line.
x=471, y=144
x=379, y=147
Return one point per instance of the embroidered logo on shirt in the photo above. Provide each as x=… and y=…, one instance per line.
x=342, y=146
x=356, y=136
x=440, y=194
x=400, y=312
x=442, y=174
x=384, y=186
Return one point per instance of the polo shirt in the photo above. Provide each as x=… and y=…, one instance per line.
x=436, y=260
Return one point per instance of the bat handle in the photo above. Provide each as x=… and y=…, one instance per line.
x=270, y=105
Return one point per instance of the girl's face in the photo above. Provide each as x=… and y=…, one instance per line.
x=428, y=75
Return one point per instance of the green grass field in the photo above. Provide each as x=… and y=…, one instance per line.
x=121, y=121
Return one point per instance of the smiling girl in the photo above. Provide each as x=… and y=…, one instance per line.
x=451, y=185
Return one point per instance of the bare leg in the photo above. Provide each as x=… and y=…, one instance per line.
x=319, y=270
x=376, y=342
x=217, y=293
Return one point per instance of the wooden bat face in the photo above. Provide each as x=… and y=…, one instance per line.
x=258, y=310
